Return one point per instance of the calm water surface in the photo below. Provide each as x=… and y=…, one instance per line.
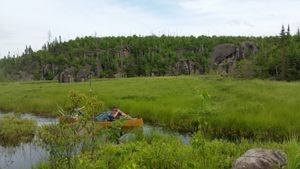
x=26, y=156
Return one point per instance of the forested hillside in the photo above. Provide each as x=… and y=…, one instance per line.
x=276, y=57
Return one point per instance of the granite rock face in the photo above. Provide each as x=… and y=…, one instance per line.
x=223, y=52
x=225, y=56
x=261, y=159
x=67, y=75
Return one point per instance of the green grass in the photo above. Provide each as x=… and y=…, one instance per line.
x=238, y=108
x=14, y=131
x=166, y=151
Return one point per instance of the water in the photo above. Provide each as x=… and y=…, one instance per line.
x=40, y=120
x=184, y=137
x=26, y=156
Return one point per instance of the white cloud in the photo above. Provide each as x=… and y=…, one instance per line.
x=254, y=17
x=34, y=18
x=27, y=22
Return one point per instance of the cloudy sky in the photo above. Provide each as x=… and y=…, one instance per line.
x=28, y=22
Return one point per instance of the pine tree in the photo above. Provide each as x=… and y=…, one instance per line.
x=30, y=50
x=26, y=50
x=297, y=36
x=282, y=46
x=282, y=33
x=288, y=32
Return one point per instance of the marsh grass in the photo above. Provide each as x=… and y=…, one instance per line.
x=14, y=130
x=238, y=108
x=293, y=154
x=158, y=150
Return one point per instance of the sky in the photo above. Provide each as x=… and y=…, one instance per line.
x=31, y=22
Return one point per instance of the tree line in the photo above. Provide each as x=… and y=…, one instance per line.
x=278, y=57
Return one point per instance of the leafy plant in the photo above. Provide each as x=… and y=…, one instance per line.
x=66, y=139
x=204, y=98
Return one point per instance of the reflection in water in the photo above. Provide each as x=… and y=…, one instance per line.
x=28, y=155
x=24, y=156
x=184, y=137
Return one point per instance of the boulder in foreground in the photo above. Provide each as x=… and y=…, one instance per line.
x=259, y=158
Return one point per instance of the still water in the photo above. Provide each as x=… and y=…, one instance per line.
x=26, y=156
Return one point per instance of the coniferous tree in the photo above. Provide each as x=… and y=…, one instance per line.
x=298, y=36
x=278, y=56
x=288, y=32
x=283, y=54
x=282, y=33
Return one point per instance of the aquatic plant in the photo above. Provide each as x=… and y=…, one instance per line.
x=14, y=130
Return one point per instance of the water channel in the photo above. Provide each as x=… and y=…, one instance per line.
x=27, y=155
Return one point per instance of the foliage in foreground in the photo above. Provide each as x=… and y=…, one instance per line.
x=66, y=139
x=14, y=130
x=167, y=152
x=80, y=145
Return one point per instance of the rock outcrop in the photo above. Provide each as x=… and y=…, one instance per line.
x=223, y=52
x=248, y=48
x=25, y=76
x=49, y=71
x=67, y=75
x=184, y=66
x=261, y=159
x=225, y=56
x=83, y=74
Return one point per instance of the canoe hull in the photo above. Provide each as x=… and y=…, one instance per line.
x=125, y=123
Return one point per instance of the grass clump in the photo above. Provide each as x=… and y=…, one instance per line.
x=14, y=130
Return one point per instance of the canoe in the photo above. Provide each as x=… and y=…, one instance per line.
x=126, y=123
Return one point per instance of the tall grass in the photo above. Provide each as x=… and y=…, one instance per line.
x=14, y=131
x=293, y=153
x=247, y=108
x=166, y=151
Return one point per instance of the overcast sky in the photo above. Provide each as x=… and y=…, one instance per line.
x=27, y=22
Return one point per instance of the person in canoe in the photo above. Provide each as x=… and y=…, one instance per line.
x=117, y=113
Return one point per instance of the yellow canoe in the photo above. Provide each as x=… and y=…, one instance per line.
x=126, y=123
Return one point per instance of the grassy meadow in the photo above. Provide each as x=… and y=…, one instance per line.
x=232, y=108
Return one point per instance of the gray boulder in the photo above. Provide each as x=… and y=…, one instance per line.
x=223, y=52
x=261, y=159
x=126, y=138
x=225, y=56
